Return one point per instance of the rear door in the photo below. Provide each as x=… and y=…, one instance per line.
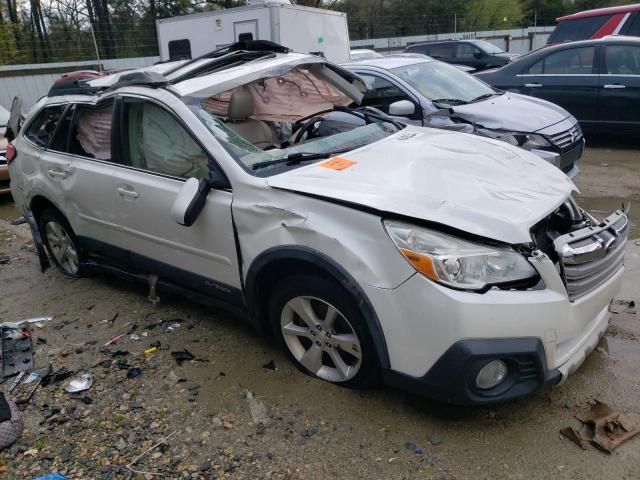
x=77, y=164
x=619, y=103
x=569, y=78
x=158, y=154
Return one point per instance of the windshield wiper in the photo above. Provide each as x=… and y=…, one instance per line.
x=297, y=157
x=485, y=96
x=452, y=101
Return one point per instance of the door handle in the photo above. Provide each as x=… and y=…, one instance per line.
x=57, y=173
x=532, y=85
x=125, y=192
x=615, y=86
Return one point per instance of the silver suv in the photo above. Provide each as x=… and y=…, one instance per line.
x=445, y=263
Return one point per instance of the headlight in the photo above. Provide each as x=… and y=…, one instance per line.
x=528, y=141
x=455, y=262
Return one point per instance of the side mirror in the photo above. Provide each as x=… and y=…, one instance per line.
x=402, y=108
x=478, y=55
x=190, y=201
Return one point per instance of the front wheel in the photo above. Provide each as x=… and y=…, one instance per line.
x=320, y=327
x=60, y=242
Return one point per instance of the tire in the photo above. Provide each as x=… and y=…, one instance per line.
x=61, y=242
x=320, y=327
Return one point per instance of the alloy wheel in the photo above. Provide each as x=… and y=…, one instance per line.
x=62, y=247
x=321, y=339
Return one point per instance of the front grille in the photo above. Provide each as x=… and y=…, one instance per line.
x=590, y=256
x=567, y=138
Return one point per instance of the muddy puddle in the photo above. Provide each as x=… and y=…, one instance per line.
x=8, y=210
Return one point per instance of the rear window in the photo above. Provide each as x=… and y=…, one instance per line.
x=579, y=29
x=43, y=125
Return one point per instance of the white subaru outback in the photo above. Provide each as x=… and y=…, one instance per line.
x=448, y=264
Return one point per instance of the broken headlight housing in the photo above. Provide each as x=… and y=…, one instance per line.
x=528, y=141
x=458, y=263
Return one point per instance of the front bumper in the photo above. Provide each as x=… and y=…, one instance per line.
x=439, y=338
x=564, y=160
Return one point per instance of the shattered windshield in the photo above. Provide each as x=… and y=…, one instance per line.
x=302, y=114
x=444, y=83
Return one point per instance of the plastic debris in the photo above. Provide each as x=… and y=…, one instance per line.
x=114, y=339
x=17, y=350
x=51, y=476
x=623, y=306
x=135, y=337
x=57, y=376
x=4, y=259
x=182, y=356
x=150, y=351
x=270, y=365
x=80, y=384
x=134, y=372
x=173, y=326
x=603, y=427
x=10, y=422
x=258, y=410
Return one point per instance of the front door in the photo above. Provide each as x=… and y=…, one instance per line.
x=619, y=103
x=568, y=78
x=158, y=155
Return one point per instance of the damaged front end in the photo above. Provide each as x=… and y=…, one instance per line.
x=586, y=252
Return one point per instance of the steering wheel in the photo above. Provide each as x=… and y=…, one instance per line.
x=308, y=130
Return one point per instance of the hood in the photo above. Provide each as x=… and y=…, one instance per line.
x=510, y=56
x=513, y=112
x=474, y=184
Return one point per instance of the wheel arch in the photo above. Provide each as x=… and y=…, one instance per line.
x=39, y=203
x=278, y=262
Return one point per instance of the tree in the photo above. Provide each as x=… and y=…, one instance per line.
x=492, y=15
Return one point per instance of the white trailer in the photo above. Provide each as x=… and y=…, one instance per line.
x=302, y=29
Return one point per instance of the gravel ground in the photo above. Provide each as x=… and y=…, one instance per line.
x=300, y=428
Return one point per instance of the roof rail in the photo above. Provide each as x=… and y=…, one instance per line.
x=73, y=83
x=246, y=46
x=149, y=79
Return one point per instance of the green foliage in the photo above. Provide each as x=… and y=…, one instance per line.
x=492, y=15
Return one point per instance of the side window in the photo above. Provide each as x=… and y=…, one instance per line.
x=179, y=50
x=466, y=51
x=622, y=60
x=59, y=143
x=579, y=29
x=154, y=140
x=424, y=49
x=573, y=61
x=90, y=132
x=44, y=125
x=632, y=26
x=442, y=50
x=381, y=93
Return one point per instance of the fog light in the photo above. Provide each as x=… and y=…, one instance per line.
x=491, y=375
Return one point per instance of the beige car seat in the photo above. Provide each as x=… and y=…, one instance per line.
x=257, y=132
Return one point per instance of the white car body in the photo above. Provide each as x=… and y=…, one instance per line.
x=485, y=190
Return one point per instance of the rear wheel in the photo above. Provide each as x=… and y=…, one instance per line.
x=320, y=327
x=61, y=242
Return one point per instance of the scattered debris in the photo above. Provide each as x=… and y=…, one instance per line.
x=182, y=356
x=119, y=353
x=173, y=326
x=57, y=376
x=18, y=221
x=52, y=476
x=135, y=337
x=227, y=425
x=155, y=344
x=150, y=351
x=258, y=410
x=623, y=306
x=80, y=384
x=65, y=456
x=603, y=427
x=10, y=422
x=171, y=379
x=134, y=372
x=435, y=439
x=114, y=339
x=309, y=432
x=17, y=350
x=270, y=365
x=4, y=259
x=153, y=447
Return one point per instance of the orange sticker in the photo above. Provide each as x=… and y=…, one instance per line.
x=337, y=163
